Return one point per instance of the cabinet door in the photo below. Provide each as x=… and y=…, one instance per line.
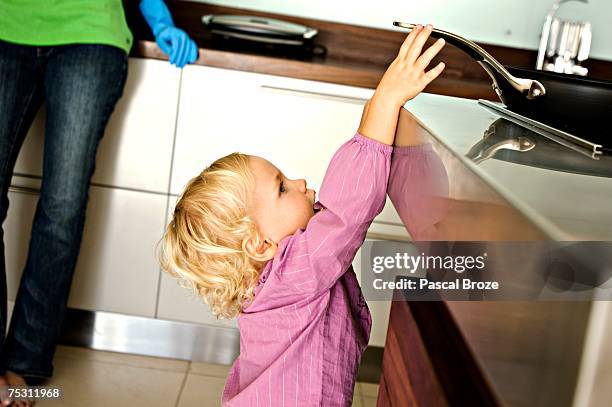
x=117, y=270
x=296, y=124
x=136, y=150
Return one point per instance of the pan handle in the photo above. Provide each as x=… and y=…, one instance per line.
x=531, y=88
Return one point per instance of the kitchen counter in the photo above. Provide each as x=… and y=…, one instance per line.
x=568, y=204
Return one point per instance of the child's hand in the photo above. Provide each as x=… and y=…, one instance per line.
x=406, y=77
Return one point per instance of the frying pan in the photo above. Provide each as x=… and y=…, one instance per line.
x=571, y=103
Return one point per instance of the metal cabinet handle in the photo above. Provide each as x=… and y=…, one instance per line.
x=307, y=93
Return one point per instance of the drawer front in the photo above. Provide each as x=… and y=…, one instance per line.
x=116, y=270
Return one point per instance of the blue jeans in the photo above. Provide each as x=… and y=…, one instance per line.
x=80, y=85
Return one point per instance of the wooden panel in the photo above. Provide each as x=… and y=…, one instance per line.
x=530, y=350
x=410, y=377
x=383, y=394
x=427, y=361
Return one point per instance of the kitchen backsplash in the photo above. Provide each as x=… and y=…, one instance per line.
x=513, y=23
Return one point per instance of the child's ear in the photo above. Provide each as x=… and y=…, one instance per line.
x=258, y=249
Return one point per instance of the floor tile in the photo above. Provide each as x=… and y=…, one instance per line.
x=149, y=362
x=209, y=369
x=369, y=389
x=369, y=401
x=93, y=383
x=97, y=378
x=357, y=396
x=201, y=391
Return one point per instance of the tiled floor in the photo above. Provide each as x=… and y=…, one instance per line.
x=94, y=378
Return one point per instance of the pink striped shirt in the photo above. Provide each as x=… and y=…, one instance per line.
x=302, y=336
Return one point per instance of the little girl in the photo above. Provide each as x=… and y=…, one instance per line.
x=256, y=245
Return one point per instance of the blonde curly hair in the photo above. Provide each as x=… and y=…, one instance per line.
x=202, y=245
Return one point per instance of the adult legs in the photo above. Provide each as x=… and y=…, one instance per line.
x=20, y=99
x=82, y=84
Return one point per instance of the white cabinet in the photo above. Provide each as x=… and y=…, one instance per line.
x=117, y=270
x=136, y=149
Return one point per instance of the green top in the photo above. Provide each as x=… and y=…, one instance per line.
x=60, y=22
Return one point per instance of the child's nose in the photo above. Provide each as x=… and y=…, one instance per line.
x=302, y=185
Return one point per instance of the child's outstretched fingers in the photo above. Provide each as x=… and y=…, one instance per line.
x=418, y=43
x=403, y=51
x=403, y=80
x=434, y=73
x=425, y=58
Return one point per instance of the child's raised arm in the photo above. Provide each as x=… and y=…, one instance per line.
x=354, y=188
x=404, y=79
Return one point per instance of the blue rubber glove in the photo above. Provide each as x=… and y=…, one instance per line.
x=173, y=41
